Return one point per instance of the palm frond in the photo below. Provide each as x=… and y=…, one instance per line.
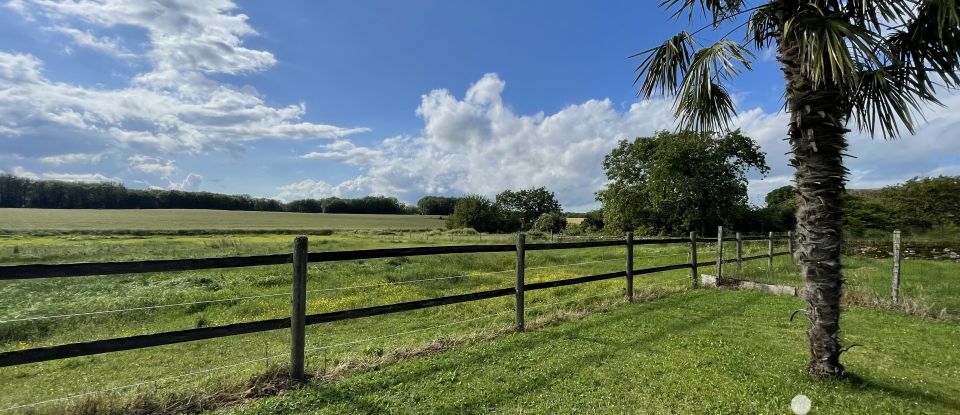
x=718, y=9
x=831, y=48
x=930, y=43
x=702, y=103
x=762, y=26
x=878, y=14
x=886, y=98
x=664, y=66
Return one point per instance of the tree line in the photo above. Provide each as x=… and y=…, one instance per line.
x=21, y=192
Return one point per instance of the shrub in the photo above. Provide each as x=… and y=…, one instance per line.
x=550, y=222
x=480, y=213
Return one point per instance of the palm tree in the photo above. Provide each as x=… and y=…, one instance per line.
x=872, y=64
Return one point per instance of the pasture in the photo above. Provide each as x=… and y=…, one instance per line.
x=683, y=331
x=196, y=221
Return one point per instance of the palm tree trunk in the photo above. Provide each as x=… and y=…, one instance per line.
x=816, y=135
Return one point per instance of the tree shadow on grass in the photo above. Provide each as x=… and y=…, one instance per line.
x=858, y=382
x=360, y=394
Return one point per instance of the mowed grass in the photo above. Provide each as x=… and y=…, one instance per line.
x=36, y=313
x=703, y=351
x=171, y=220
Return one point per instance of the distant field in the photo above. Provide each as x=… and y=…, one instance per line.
x=32, y=220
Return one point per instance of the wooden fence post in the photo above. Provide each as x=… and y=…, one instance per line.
x=693, y=259
x=790, y=243
x=630, y=267
x=770, y=251
x=895, y=282
x=299, y=308
x=739, y=252
x=719, y=254
x=521, y=264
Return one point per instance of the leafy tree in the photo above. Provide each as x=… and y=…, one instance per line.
x=478, y=212
x=674, y=182
x=875, y=63
x=592, y=221
x=550, y=222
x=923, y=203
x=528, y=204
x=436, y=205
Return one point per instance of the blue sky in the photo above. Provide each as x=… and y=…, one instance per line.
x=314, y=99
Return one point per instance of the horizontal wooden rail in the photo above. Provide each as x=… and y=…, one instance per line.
x=742, y=238
x=31, y=271
x=42, y=354
x=746, y=258
x=330, y=256
x=601, y=277
x=595, y=244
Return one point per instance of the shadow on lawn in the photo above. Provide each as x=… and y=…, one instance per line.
x=355, y=396
x=861, y=383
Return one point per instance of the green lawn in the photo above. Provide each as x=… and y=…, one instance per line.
x=702, y=351
x=133, y=220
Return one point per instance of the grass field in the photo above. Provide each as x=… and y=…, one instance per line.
x=55, y=311
x=52, y=311
x=198, y=220
x=695, y=352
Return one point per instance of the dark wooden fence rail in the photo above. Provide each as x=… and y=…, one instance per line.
x=299, y=317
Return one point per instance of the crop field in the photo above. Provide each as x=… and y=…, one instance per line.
x=197, y=221
x=64, y=310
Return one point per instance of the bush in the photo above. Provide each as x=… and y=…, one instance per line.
x=550, y=222
x=592, y=222
x=481, y=214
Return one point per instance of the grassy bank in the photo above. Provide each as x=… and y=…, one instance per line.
x=696, y=352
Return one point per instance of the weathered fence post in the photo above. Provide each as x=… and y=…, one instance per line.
x=770, y=251
x=719, y=254
x=299, y=308
x=521, y=264
x=790, y=243
x=693, y=259
x=630, y=267
x=895, y=282
x=739, y=252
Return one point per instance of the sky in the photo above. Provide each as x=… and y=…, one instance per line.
x=300, y=99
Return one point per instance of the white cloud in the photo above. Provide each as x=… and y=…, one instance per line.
x=84, y=38
x=191, y=183
x=478, y=145
x=66, y=177
x=72, y=158
x=172, y=107
x=152, y=165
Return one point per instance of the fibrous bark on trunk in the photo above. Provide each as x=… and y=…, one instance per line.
x=816, y=135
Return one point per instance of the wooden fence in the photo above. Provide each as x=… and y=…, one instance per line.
x=299, y=258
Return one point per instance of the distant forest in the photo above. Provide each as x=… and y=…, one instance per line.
x=20, y=192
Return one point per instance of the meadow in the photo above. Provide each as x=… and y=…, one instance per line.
x=178, y=377
x=151, y=221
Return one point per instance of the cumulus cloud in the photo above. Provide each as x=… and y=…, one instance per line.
x=477, y=144
x=152, y=165
x=191, y=183
x=174, y=106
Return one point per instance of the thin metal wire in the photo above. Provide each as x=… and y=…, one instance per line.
x=571, y=265
x=134, y=385
x=355, y=287
x=574, y=299
x=370, y=339
x=152, y=307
